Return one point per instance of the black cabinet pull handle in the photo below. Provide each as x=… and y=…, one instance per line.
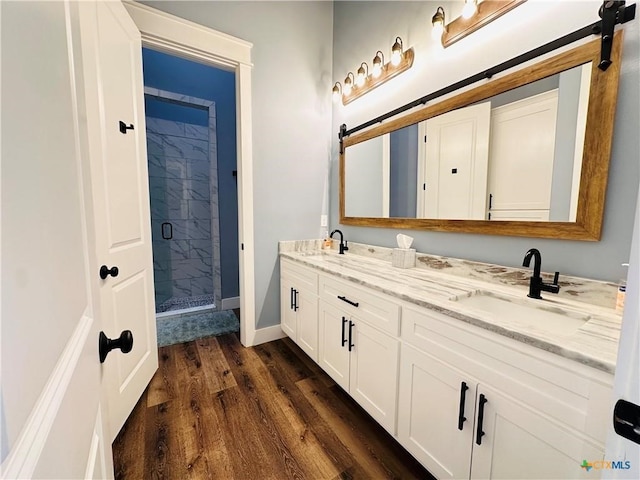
x=479, y=432
x=106, y=271
x=295, y=300
x=351, y=345
x=345, y=299
x=167, y=236
x=124, y=127
x=292, y=304
x=124, y=342
x=344, y=338
x=463, y=394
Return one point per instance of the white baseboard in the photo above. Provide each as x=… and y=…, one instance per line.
x=230, y=303
x=268, y=334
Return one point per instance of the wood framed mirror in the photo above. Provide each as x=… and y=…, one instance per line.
x=474, y=171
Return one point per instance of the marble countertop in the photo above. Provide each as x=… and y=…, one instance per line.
x=593, y=343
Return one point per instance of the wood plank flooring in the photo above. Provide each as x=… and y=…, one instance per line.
x=215, y=409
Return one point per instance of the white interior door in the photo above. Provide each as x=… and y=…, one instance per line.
x=120, y=213
x=627, y=380
x=522, y=149
x=455, y=164
x=52, y=422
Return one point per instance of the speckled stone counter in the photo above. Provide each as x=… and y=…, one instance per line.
x=437, y=283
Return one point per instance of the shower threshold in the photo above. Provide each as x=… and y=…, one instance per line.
x=175, y=304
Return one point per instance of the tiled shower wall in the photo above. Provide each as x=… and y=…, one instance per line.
x=179, y=183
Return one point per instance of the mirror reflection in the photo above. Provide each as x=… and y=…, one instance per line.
x=514, y=156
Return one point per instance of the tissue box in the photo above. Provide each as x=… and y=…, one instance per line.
x=403, y=257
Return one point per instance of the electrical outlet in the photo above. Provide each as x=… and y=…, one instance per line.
x=324, y=220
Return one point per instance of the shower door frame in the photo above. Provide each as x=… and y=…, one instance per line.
x=216, y=271
x=170, y=34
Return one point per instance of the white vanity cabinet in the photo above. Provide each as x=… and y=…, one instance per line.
x=359, y=346
x=467, y=402
x=473, y=406
x=299, y=305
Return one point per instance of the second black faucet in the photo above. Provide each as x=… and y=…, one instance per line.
x=536, y=285
x=343, y=242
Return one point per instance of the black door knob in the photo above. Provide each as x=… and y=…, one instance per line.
x=105, y=345
x=106, y=271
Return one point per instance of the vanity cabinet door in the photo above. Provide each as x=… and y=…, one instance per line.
x=288, y=321
x=334, y=355
x=299, y=306
x=307, y=323
x=435, y=415
x=519, y=442
x=374, y=372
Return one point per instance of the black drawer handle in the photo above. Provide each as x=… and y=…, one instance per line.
x=351, y=345
x=295, y=300
x=479, y=432
x=463, y=394
x=344, y=338
x=345, y=299
x=292, y=300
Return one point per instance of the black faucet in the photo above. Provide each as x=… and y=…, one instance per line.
x=343, y=242
x=536, y=285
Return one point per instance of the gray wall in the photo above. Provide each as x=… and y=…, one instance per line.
x=524, y=28
x=291, y=108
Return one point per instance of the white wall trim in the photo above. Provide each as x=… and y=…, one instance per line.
x=24, y=456
x=170, y=33
x=230, y=303
x=268, y=334
x=178, y=36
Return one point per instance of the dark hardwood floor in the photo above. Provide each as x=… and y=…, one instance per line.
x=215, y=409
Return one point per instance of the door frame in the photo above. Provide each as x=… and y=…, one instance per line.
x=176, y=36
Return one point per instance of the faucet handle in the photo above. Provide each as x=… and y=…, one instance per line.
x=555, y=278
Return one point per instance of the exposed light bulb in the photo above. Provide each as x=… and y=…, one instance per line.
x=348, y=83
x=377, y=65
x=362, y=75
x=396, y=52
x=469, y=9
x=438, y=24
x=336, y=92
x=438, y=30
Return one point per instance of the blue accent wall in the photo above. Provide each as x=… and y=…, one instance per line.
x=178, y=75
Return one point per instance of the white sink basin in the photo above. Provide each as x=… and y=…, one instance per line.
x=540, y=315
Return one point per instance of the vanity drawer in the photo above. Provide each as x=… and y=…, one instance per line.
x=302, y=277
x=374, y=308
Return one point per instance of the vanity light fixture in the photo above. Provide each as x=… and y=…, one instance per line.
x=396, y=52
x=475, y=15
x=354, y=86
x=438, y=24
x=470, y=8
x=378, y=62
x=337, y=90
x=362, y=75
x=348, y=84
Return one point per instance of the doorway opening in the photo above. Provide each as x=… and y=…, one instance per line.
x=191, y=142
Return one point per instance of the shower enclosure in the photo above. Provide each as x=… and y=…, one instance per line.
x=183, y=187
